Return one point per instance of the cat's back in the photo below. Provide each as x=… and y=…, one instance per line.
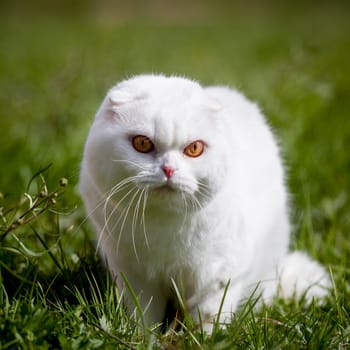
x=246, y=126
x=256, y=165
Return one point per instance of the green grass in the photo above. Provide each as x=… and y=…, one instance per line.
x=54, y=72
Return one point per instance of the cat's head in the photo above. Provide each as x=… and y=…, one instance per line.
x=161, y=134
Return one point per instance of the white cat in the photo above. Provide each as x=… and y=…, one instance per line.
x=185, y=186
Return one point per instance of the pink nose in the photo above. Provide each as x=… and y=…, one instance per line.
x=168, y=171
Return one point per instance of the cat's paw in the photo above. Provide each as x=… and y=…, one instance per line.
x=302, y=277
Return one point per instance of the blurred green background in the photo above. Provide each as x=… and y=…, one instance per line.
x=58, y=58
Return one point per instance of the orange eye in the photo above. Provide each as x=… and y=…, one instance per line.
x=142, y=144
x=195, y=149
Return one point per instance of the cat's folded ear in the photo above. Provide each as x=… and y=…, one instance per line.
x=119, y=97
x=115, y=99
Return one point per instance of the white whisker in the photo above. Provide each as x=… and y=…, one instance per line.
x=124, y=217
x=129, y=162
x=110, y=215
x=183, y=196
x=202, y=184
x=204, y=195
x=105, y=197
x=195, y=202
x=145, y=197
x=105, y=228
x=134, y=221
x=135, y=217
x=204, y=188
x=115, y=189
x=122, y=185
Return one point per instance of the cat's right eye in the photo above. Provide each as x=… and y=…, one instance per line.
x=194, y=149
x=142, y=144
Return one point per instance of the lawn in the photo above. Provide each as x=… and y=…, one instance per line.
x=55, y=68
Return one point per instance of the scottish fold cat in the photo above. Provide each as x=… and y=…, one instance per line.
x=185, y=187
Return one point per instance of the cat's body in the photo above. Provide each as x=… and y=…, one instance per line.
x=185, y=185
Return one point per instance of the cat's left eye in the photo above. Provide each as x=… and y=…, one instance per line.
x=194, y=149
x=142, y=144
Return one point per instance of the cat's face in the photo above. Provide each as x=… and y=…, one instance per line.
x=164, y=140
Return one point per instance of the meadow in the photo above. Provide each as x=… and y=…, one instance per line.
x=55, y=70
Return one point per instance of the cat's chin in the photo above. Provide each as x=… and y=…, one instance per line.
x=170, y=189
x=171, y=199
x=165, y=189
x=167, y=197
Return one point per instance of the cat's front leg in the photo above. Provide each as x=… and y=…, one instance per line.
x=150, y=297
x=217, y=304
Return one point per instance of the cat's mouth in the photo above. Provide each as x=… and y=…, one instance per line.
x=169, y=187
x=166, y=188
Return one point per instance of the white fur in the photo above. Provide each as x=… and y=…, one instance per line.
x=222, y=217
